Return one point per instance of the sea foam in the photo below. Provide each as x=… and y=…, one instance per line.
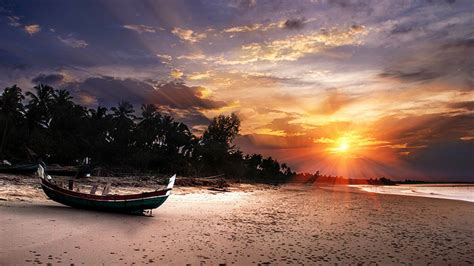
x=462, y=192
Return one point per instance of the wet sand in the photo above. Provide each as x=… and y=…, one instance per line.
x=289, y=225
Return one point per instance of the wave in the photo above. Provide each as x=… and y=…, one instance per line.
x=440, y=191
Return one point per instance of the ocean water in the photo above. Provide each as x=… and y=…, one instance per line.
x=462, y=192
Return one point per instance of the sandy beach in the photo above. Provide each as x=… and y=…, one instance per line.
x=250, y=225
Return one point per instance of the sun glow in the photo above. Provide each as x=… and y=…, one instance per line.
x=342, y=145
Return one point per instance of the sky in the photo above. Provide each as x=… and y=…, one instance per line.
x=362, y=89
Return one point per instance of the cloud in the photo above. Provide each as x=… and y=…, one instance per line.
x=244, y=4
x=73, y=42
x=412, y=76
x=460, y=44
x=50, y=79
x=285, y=126
x=333, y=102
x=467, y=105
x=179, y=96
x=294, y=23
x=165, y=59
x=195, y=56
x=14, y=21
x=246, y=28
x=291, y=23
x=445, y=160
x=401, y=29
x=199, y=75
x=140, y=28
x=294, y=47
x=176, y=73
x=108, y=91
x=193, y=118
x=186, y=104
x=32, y=29
x=188, y=35
x=445, y=62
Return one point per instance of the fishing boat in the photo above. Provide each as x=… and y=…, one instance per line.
x=131, y=203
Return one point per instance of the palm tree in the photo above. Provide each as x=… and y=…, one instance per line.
x=11, y=102
x=62, y=97
x=123, y=110
x=98, y=113
x=11, y=109
x=39, y=105
x=149, y=111
x=121, y=134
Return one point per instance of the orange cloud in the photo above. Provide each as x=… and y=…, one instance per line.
x=32, y=29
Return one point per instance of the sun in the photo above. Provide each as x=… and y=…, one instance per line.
x=342, y=146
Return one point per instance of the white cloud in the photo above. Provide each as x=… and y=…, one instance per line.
x=165, y=59
x=188, y=35
x=73, y=42
x=140, y=28
x=14, y=21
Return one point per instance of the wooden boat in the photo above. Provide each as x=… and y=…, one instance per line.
x=133, y=203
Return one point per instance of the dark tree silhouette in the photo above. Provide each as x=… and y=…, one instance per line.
x=56, y=129
x=11, y=114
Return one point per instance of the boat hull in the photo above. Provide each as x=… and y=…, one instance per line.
x=132, y=205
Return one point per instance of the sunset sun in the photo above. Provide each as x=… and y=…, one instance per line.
x=343, y=147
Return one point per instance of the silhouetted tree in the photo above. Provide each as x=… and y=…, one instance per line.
x=60, y=131
x=216, y=142
x=11, y=117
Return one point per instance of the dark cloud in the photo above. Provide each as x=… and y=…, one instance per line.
x=108, y=91
x=50, y=79
x=357, y=27
x=182, y=102
x=425, y=129
x=178, y=95
x=294, y=23
x=445, y=160
x=193, y=118
x=410, y=76
x=469, y=105
x=449, y=61
x=401, y=29
x=463, y=44
x=254, y=143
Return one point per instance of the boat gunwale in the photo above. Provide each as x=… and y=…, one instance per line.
x=109, y=198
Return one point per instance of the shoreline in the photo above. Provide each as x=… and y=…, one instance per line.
x=19, y=188
x=458, y=192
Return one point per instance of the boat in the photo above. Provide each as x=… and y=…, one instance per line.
x=139, y=203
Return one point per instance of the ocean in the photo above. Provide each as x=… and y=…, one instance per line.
x=464, y=192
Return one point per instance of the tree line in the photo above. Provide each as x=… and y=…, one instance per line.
x=47, y=124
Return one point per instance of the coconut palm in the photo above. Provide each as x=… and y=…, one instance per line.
x=39, y=105
x=11, y=110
